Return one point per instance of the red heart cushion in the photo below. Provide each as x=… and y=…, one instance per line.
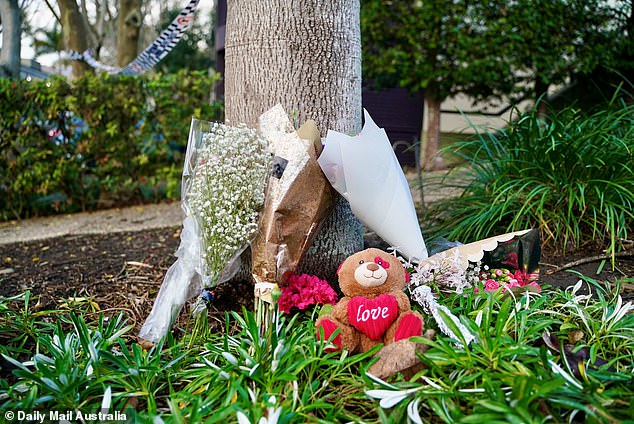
x=372, y=316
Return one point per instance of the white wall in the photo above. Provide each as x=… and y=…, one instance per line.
x=456, y=123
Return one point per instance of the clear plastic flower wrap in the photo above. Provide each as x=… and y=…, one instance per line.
x=223, y=186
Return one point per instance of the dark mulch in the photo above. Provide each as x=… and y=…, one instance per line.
x=123, y=271
x=561, y=270
x=117, y=272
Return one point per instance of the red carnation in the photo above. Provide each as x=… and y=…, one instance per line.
x=305, y=290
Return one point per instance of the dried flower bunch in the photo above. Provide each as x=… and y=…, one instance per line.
x=227, y=193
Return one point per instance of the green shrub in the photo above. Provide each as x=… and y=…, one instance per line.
x=99, y=141
x=571, y=175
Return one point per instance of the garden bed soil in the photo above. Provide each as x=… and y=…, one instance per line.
x=116, y=272
x=123, y=272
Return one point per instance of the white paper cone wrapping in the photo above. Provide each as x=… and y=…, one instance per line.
x=472, y=252
x=365, y=171
x=179, y=285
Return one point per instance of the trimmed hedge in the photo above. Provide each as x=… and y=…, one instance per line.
x=98, y=141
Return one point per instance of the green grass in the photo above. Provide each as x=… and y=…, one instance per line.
x=571, y=175
x=75, y=359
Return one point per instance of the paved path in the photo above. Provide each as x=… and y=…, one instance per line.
x=111, y=220
x=137, y=218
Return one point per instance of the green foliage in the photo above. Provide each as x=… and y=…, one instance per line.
x=78, y=365
x=508, y=375
x=48, y=40
x=489, y=49
x=441, y=47
x=98, y=141
x=20, y=325
x=285, y=372
x=550, y=41
x=65, y=370
x=571, y=176
x=87, y=362
x=602, y=318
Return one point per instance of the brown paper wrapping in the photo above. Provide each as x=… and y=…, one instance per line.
x=291, y=217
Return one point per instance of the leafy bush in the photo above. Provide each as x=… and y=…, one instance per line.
x=97, y=141
x=571, y=175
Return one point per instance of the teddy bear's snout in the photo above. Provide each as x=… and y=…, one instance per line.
x=370, y=274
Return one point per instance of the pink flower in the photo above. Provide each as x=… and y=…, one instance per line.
x=523, y=278
x=491, y=285
x=505, y=279
x=513, y=283
x=303, y=291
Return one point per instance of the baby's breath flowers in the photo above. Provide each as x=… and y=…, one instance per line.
x=224, y=177
x=226, y=193
x=441, y=272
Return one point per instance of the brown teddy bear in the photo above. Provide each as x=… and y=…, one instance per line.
x=375, y=309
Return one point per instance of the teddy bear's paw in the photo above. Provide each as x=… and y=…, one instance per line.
x=401, y=357
x=409, y=325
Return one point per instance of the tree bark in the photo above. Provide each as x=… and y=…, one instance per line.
x=129, y=23
x=10, y=16
x=432, y=161
x=305, y=55
x=75, y=33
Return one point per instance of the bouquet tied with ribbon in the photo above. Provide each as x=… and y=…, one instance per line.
x=506, y=262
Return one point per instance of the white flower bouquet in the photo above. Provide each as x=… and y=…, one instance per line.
x=226, y=193
x=223, y=186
